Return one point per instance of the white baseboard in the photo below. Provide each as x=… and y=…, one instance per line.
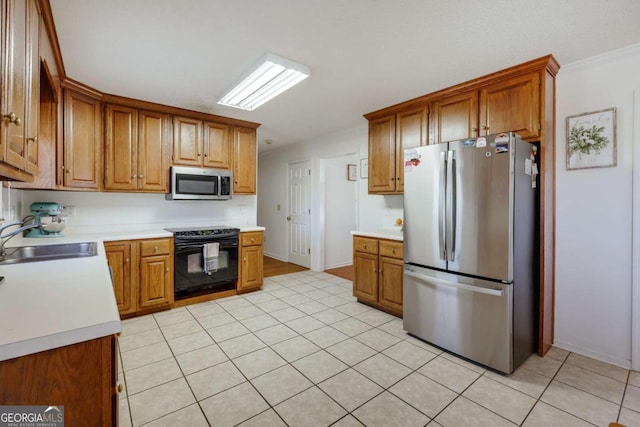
x=623, y=363
x=275, y=257
x=345, y=264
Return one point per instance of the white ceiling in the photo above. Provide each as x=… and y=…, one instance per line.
x=364, y=54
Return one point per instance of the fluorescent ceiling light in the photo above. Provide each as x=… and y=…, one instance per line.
x=271, y=76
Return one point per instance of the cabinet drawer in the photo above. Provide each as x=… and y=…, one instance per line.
x=391, y=249
x=364, y=244
x=155, y=247
x=251, y=239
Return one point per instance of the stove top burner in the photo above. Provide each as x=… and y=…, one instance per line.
x=205, y=231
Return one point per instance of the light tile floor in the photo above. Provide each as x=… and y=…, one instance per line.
x=303, y=352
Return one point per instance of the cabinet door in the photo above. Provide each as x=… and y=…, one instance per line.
x=512, y=105
x=187, y=141
x=15, y=59
x=153, y=151
x=217, y=145
x=411, y=131
x=391, y=284
x=33, y=88
x=244, y=160
x=82, y=158
x=382, y=155
x=123, y=267
x=121, y=142
x=453, y=118
x=365, y=280
x=251, y=271
x=156, y=281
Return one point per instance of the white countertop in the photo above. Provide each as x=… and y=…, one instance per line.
x=49, y=304
x=394, y=233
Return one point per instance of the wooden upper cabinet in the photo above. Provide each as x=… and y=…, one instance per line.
x=512, y=105
x=15, y=83
x=217, y=147
x=187, y=141
x=32, y=107
x=244, y=160
x=82, y=145
x=154, y=145
x=411, y=131
x=136, y=150
x=121, y=142
x=454, y=117
x=382, y=155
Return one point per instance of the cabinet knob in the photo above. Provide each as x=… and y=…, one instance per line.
x=365, y=246
x=485, y=127
x=167, y=269
x=140, y=176
x=244, y=259
x=235, y=182
x=33, y=139
x=374, y=269
x=253, y=240
x=68, y=170
x=120, y=388
x=12, y=118
x=206, y=155
x=392, y=179
x=134, y=176
x=126, y=261
x=155, y=249
x=199, y=154
x=393, y=250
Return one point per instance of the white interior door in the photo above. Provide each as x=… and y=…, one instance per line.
x=299, y=215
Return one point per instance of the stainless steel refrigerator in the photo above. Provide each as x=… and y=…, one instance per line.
x=470, y=275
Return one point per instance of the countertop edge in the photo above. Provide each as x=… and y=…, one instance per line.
x=61, y=339
x=392, y=235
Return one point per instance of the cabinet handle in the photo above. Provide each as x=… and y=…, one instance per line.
x=68, y=170
x=134, y=176
x=365, y=247
x=167, y=269
x=34, y=139
x=12, y=118
x=397, y=178
x=126, y=261
x=155, y=249
x=140, y=176
x=199, y=154
x=206, y=155
x=485, y=127
x=393, y=250
x=235, y=182
x=244, y=259
x=120, y=388
x=253, y=240
x=374, y=269
x=392, y=179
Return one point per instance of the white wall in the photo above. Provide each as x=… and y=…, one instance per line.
x=593, y=214
x=341, y=209
x=138, y=208
x=374, y=211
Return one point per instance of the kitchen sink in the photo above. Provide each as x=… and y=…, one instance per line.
x=22, y=254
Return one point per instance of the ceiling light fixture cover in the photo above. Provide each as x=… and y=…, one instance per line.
x=271, y=76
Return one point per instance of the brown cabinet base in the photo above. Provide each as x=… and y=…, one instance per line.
x=377, y=273
x=81, y=377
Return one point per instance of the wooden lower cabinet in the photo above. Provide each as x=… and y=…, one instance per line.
x=81, y=377
x=251, y=269
x=377, y=268
x=142, y=274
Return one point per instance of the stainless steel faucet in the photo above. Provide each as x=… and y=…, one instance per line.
x=4, y=238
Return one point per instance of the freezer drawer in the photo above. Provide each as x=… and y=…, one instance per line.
x=469, y=317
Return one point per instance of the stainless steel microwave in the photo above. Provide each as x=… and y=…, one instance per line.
x=189, y=183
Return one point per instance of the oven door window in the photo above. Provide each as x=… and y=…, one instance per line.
x=196, y=184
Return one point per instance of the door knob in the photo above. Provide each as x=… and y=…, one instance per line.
x=288, y=218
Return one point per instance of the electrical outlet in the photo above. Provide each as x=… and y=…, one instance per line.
x=71, y=211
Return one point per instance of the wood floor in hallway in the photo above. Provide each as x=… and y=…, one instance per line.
x=274, y=267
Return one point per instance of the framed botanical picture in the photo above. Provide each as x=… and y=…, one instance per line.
x=352, y=172
x=591, y=140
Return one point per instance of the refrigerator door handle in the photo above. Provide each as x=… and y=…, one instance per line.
x=451, y=206
x=441, y=206
x=440, y=282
